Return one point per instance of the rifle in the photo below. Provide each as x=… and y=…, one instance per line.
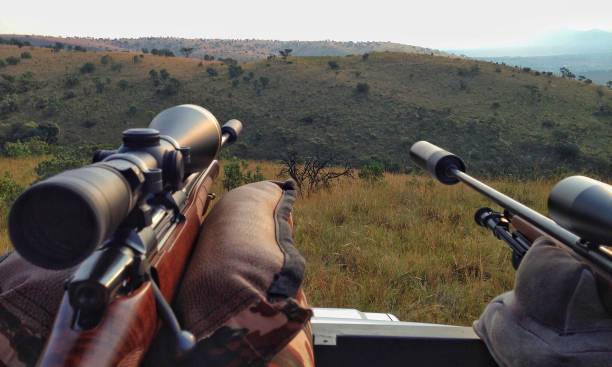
x=580, y=208
x=127, y=224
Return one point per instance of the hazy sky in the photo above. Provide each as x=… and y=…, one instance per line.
x=430, y=23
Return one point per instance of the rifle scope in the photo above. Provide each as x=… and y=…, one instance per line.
x=580, y=207
x=58, y=222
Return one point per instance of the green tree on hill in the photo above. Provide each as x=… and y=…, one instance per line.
x=187, y=51
x=88, y=68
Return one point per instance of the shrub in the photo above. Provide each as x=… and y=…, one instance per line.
x=568, y=150
x=69, y=94
x=99, y=86
x=123, y=84
x=495, y=105
x=372, y=172
x=61, y=161
x=105, y=60
x=365, y=57
x=9, y=189
x=264, y=81
x=234, y=71
x=71, y=81
x=169, y=87
x=132, y=111
x=164, y=74
x=236, y=174
x=26, y=55
x=145, y=50
x=88, y=68
x=135, y=59
x=12, y=60
x=333, y=65
x=8, y=104
x=34, y=146
x=212, y=72
x=2, y=64
x=362, y=88
x=80, y=48
x=117, y=66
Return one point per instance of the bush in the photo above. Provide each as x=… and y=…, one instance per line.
x=372, y=172
x=88, y=68
x=169, y=87
x=123, y=84
x=235, y=174
x=365, y=57
x=8, y=104
x=132, y=111
x=35, y=146
x=2, y=64
x=164, y=74
x=105, y=60
x=234, y=71
x=12, y=60
x=117, y=66
x=362, y=88
x=69, y=94
x=135, y=59
x=9, y=189
x=71, y=81
x=333, y=65
x=26, y=55
x=212, y=72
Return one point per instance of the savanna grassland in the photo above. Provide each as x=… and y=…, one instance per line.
x=406, y=245
x=504, y=121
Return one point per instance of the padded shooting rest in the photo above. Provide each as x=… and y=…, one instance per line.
x=554, y=316
x=240, y=295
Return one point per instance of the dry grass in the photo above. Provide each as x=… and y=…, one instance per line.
x=407, y=246
x=22, y=171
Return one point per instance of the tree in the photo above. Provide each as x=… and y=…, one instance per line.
x=365, y=57
x=333, y=65
x=362, y=88
x=609, y=84
x=312, y=173
x=105, y=60
x=26, y=55
x=211, y=72
x=372, y=172
x=285, y=53
x=123, y=84
x=235, y=71
x=12, y=60
x=187, y=51
x=88, y=68
x=145, y=50
x=566, y=73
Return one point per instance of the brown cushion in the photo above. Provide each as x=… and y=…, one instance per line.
x=29, y=299
x=239, y=293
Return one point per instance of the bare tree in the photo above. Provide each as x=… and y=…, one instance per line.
x=285, y=53
x=312, y=173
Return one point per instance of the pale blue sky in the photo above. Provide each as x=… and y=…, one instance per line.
x=430, y=23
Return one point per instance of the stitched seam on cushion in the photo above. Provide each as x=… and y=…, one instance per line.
x=289, y=279
x=220, y=320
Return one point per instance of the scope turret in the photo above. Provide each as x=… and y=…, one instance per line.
x=58, y=222
x=584, y=206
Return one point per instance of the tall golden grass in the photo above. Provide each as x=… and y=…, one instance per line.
x=407, y=245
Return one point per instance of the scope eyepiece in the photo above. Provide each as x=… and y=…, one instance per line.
x=437, y=161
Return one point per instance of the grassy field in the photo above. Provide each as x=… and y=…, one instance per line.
x=406, y=245
x=503, y=120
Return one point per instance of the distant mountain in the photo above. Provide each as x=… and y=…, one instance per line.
x=241, y=50
x=586, y=53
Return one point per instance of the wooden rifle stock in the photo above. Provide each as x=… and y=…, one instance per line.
x=130, y=322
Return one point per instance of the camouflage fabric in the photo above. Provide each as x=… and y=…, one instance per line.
x=29, y=299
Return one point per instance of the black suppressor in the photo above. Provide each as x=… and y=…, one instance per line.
x=58, y=222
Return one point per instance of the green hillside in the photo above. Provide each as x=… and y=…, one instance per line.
x=504, y=121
